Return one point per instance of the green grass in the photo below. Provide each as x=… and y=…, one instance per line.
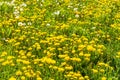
x=63, y=40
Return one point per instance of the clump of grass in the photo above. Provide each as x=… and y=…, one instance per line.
x=59, y=40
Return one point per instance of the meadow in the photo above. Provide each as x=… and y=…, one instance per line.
x=59, y=39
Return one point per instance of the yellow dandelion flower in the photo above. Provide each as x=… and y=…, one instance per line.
x=18, y=73
x=12, y=78
x=55, y=67
x=118, y=53
x=102, y=70
x=38, y=72
x=87, y=55
x=68, y=75
x=75, y=59
x=117, y=56
x=95, y=71
x=12, y=64
x=106, y=65
x=22, y=52
x=30, y=48
x=38, y=48
x=81, y=53
x=60, y=49
x=81, y=78
x=22, y=77
x=10, y=57
x=5, y=63
x=24, y=68
x=86, y=77
x=61, y=69
x=62, y=56
x=28, y=74
x=50, y=61
x=57, y=44
x=51, y=79
x=63, y=63
x=87, y=59
x=118, y=38
x=39, y=78
x=103, y=78
x=4, y=54
x=23, y=57
x=101, y=63
x=73, y=51
x=67, y=58
x=25, y=62
x=77, y=74
x=29, y=54
x=40, y=65
x=66, y=52
x=18, y=60
x=90, y=48
x=68, y=67
x=1, y=60
x=17, y=43
x=81, y=47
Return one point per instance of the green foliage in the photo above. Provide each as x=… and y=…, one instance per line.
x=59, y=40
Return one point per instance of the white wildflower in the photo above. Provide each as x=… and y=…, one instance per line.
x=77, y=16
x=75, y=9
x=57, y=12
x=47, y=24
